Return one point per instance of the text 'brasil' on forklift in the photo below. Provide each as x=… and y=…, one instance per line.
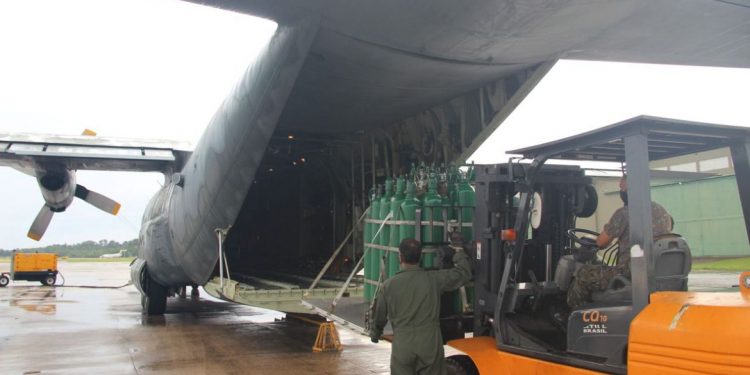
x=524, y=264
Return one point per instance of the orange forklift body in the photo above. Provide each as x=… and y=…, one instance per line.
x=677, y=333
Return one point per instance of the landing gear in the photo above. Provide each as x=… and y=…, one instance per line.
x=154, y=302
x=461, y=365
x=194, y=293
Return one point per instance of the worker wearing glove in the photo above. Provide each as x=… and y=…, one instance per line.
x=411, y=301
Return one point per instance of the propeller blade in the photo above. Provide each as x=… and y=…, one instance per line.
x=40, y=224
x=97, y=200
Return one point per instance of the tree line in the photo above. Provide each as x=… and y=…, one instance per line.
x=87, y=249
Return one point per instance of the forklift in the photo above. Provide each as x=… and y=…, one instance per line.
x=527, y=249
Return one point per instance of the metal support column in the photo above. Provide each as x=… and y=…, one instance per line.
x=355, y=238
x=363, y=198
x=385, y=157
x=373, y=165
x=333, y=217
x=639, y=218
x=741, y=161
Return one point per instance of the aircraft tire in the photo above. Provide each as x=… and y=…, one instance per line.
x=194, y=293
x=155, y=300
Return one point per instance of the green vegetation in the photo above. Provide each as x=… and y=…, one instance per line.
x=88, y=249
x=735, y=264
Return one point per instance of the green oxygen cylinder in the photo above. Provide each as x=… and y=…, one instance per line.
x=466, y=201
x=408, y=214
x=366, y=246
x=432, y=229
x=385, y=207
x=471, y=175
x=412, y=172
x=449, y=200
x=395, y=239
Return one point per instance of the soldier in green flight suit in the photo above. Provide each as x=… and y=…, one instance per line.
x=411, y=301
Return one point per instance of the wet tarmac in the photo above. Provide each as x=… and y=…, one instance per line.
x=72, y=330
x=705, y=281
x=67, y=330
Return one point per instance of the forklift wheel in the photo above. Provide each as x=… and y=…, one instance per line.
x=461, y=365
x=4, y=280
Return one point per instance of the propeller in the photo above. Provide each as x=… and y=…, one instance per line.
x=43, y=218
x=40, y=224
x=97, y=200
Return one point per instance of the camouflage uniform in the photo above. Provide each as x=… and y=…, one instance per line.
x=591, y=277
x=411, y=301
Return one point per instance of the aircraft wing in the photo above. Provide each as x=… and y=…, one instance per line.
x=23, y=151
x=377, y=62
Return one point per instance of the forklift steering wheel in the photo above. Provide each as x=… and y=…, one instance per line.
x=573, y=234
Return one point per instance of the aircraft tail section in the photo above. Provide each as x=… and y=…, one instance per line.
x=212, y=186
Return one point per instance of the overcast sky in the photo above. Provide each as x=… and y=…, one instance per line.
x=577, y=96
x=159, y=69
x=135, y=68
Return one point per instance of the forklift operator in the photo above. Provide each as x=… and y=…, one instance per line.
x=590, y=277
x=411, y=301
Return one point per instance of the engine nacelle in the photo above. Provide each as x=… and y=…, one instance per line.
x=58, y=186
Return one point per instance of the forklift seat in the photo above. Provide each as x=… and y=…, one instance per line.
x=673, y=264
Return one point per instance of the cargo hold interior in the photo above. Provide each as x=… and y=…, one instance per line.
x=298, y=210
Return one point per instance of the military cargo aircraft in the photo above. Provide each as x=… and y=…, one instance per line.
x=347, y=93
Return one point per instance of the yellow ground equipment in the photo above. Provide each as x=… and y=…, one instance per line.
x=40, y=267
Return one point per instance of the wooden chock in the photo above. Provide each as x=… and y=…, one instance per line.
x=328, y=339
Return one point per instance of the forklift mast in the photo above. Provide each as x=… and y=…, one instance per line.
x=564, y=193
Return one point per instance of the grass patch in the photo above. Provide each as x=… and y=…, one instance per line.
x=98, y=260
x=735, y=264
x=5, y=260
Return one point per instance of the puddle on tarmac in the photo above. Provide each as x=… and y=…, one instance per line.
x=35, y=299
x=153, y=321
